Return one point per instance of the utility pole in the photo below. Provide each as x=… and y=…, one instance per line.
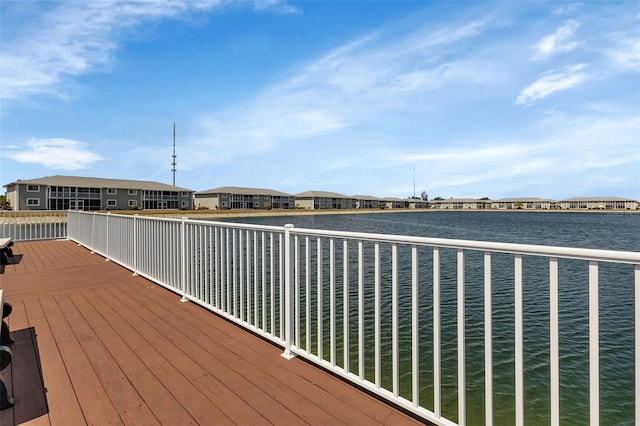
x=173, y=163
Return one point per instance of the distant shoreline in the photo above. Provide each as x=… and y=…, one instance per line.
x=196, y=214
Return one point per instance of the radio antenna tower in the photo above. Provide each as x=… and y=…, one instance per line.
x=173, y=163
x=414, y=182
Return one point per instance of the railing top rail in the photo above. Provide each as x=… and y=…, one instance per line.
x=524, y=249
x=253, y=227
x=236, y=225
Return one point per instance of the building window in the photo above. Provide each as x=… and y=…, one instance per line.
x=33, y=202
x=111, y=203
x=33, y=188
x=132, y=192
x=184, y=194
x=184, y=204
x=132, y=203
x=112, y=191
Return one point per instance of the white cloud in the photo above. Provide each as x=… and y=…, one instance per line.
x=74, y=38
x=557, y=161
x=549, y=83
x=561, y=41
x=627, y=54
x=567, y=9
x=54, y=153
x=280, y=6
x=347, y=87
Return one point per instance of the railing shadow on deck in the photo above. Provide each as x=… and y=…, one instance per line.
x=25, y=380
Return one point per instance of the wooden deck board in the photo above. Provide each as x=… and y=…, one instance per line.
x=118, y=349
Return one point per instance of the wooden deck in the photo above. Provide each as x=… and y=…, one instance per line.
x=116, y=349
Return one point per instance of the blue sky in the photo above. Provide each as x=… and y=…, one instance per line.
x=470, y=99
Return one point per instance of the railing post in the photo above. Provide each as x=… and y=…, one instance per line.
x=462, y=392
x=107, y=253
x=594, y=346
x=93, y=233
x=183, y=259
x=288, y=292
x=135, y=244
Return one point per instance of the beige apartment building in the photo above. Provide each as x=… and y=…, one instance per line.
x=598, y=203
x=526, y=203
x=89, y=193
x=460, y=203
x=239, y=198
x=316, y=200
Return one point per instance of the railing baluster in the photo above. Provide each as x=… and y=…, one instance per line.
x=247, y=269
x=462, y=400
x=637, y=338
x=332, y=301
x=281, y=281
x=594, y=346
x=360, y=310
x=227, y=277
x=376, y=266
x=296, y=264
x=241, y=272
x=234, y=265
x=255, y=281
x=345, y=307
x=488, y=341
x=415, y=329
x=183, y=260
x=204, y=264
x=307, y=272
x=213, y=233
x=394, y=319
x=437, y=381
x=319, y=296
x=264, y=281
x=554, y=344
x=519, y=361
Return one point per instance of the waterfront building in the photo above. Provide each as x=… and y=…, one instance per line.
x=416, y=203
x=394, y=203
x=526, y=203
x=460, y=203
x=599, y=203
x=239, y=198
x=89, y=193
x=316, y=200
x=369, y=202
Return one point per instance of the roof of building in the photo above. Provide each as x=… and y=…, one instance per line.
x=366, y=197
x=243, y=191
x=524, y=199
x=460, y=200
x=321, y=194
x=598, y=199
x=92, y=182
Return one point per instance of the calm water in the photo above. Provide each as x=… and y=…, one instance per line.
x=587, y=230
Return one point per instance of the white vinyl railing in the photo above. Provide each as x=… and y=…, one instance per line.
x=33, y=225
x=383, y=310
